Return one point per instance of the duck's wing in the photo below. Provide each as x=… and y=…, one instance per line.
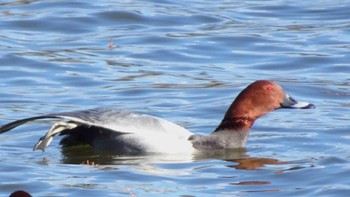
x=115, y=120
x=108, y=118
x=122, y=121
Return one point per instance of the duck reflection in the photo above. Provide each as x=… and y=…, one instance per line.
x=239, y=158
x=253, y=163
x=85, y=154
x=81, y=154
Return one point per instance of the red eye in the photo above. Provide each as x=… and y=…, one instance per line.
x=269, y=88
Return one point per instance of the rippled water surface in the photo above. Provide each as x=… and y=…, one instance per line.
x=185, y=62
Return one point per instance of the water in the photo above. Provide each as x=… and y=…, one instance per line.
x=185, y=62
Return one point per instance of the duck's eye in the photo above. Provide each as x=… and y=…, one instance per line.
x=269, y=88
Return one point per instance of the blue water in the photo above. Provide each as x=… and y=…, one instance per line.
x=185, y=62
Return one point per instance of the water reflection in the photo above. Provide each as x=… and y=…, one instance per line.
x=238, y=157
x=82, y=154
x=254, y=163
x=79, y=154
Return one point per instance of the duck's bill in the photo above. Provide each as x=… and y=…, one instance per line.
x=290, y=102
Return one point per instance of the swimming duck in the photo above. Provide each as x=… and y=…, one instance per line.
x=116, y=130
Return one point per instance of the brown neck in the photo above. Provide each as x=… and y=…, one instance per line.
x=235, y=123
x=246, y=108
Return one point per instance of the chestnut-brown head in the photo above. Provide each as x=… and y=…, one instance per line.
x=256, y=100
x=20, y=193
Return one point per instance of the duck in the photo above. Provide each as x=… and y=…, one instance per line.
x=121, y=131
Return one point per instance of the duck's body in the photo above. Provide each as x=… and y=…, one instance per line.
x=116, y=130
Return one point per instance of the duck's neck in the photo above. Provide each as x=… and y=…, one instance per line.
x=235, y=124
x=241, y=115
